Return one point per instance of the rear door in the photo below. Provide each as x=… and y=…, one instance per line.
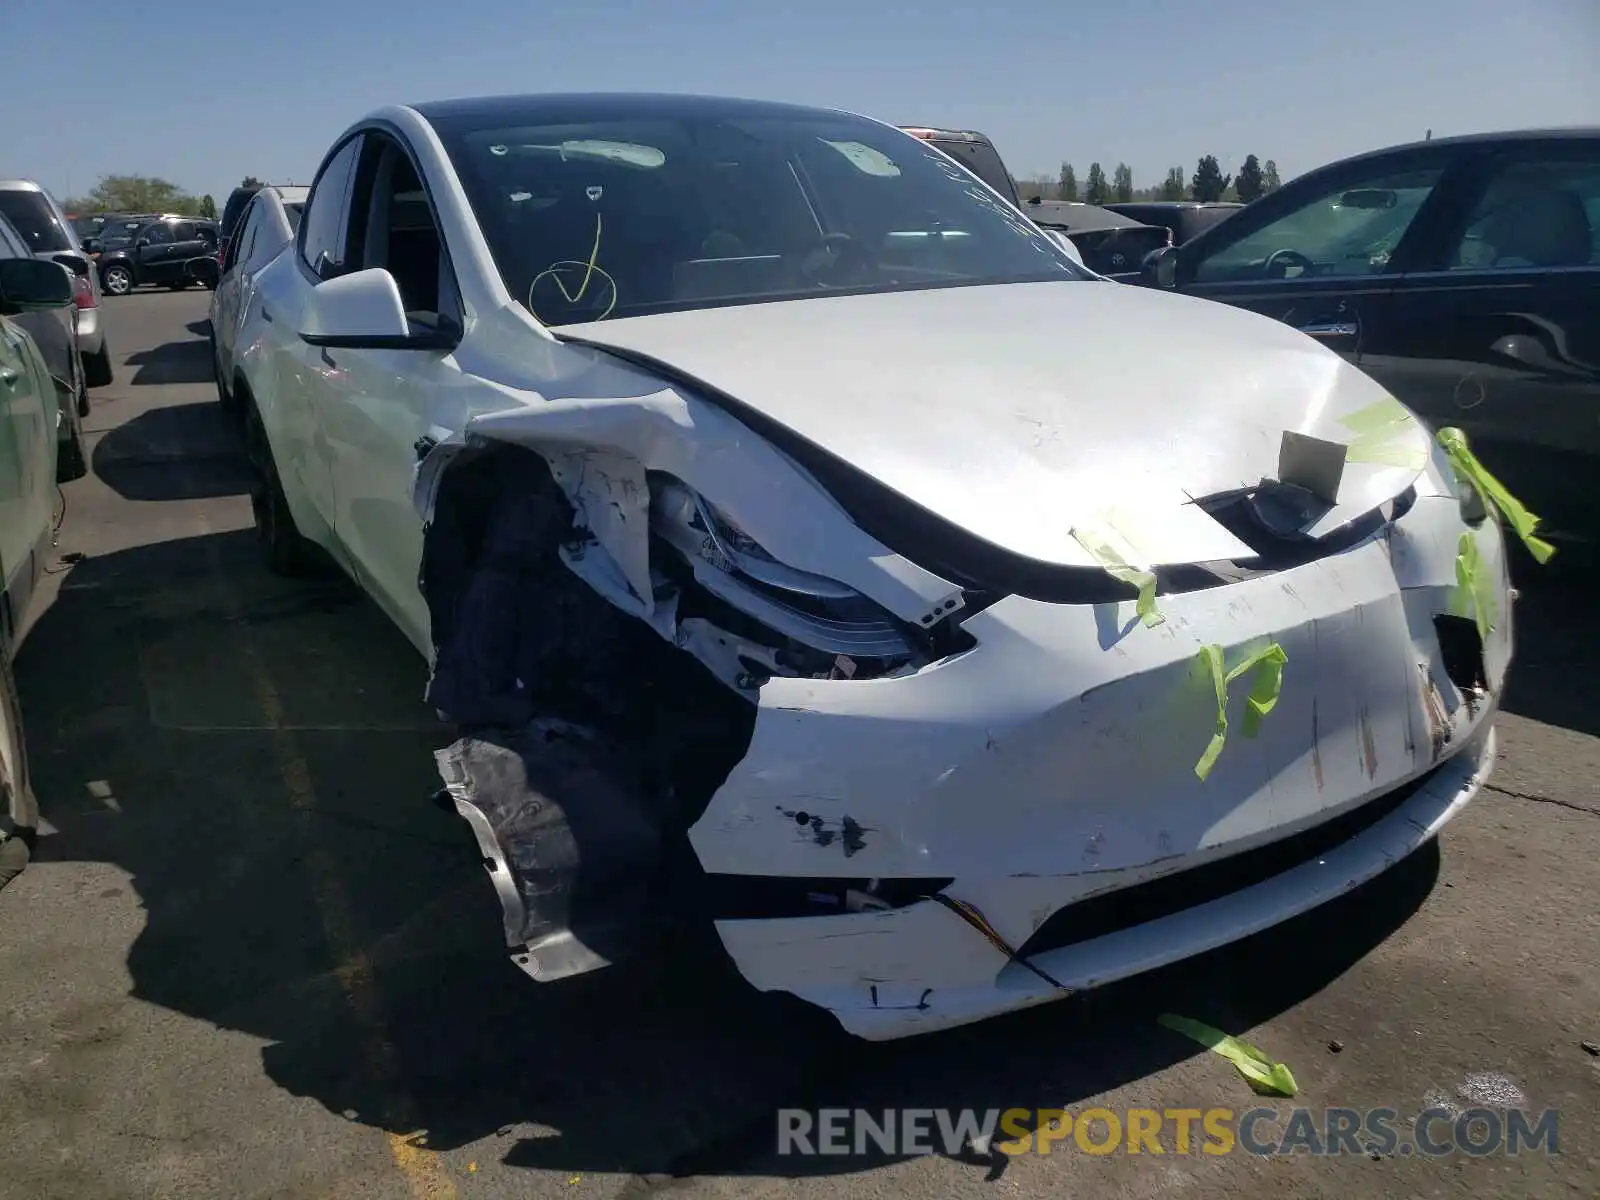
x=1320, y=255
x=1496, y=329
x=153, y=253
x=187, y=244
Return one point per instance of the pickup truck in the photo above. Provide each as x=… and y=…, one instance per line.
x=1110, y=243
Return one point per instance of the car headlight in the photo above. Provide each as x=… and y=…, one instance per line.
x=817, y=612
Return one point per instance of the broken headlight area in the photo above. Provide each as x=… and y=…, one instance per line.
x=792, y=622
x=593, y=737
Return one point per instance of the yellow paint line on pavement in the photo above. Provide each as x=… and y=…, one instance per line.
x=424, y=1173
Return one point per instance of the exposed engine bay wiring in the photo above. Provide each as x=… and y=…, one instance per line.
x=590, y=269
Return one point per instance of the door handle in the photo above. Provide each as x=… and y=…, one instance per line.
x=1331, y=329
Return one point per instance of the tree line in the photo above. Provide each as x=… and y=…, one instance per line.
x=1208, y=183
x=145, y=194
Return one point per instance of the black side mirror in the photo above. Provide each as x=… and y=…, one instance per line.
x=30, y=284
x=1159, y=268
x=76, y=263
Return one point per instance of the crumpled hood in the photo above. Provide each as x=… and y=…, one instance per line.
x=1020, y=411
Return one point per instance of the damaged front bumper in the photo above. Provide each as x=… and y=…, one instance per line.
x=1043, y=775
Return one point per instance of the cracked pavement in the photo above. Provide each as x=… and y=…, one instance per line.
x=254, y=960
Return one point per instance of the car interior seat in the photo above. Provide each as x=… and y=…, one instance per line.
x=1547, y=227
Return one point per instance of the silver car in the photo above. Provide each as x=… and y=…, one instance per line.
x=34, y=213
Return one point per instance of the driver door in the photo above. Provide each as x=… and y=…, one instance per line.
x=1321, y=253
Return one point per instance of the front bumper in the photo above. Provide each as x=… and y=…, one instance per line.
x=1055, y=763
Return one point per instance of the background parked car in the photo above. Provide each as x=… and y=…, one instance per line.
x=49, y=329
x=1109, y=244
x=1187, y=219
x=154, y=252
x=1461, y=273
x=266, y=226
x=34, y=213
x=35, y=294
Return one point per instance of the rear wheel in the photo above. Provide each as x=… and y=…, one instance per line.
x=177, y=285
x=287, y=551
x=97, y=368
x=71, y=460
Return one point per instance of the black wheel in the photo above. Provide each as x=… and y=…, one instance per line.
x=71, y=461
x=97, y=369
x=224, y=396
x=116, y=280
x=287, y=551
x=177, y=285
x=83, y=401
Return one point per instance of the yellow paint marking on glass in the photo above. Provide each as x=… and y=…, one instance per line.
x=1100, y=542
x=1268, y=663
x=1382, y=431
x=1519, y=518
x=1265, y=1076
x=1474, y=591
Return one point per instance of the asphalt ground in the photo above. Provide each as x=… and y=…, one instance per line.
x=251, y=958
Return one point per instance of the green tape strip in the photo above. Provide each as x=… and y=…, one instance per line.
x=1474, y=591
x=1113, y=564
x=1264, y=1076
x=1268, y=663
x=1379, y=430
x=1519, y=518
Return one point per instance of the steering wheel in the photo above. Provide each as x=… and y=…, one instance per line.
x=836, y=260
x=1281, y=260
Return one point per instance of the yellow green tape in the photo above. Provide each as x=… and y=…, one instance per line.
x=1382, y=431
x=1466, y=464
x=1116, y=566
x=1268, y=663
x=1264, y=1076
x=1474, y=591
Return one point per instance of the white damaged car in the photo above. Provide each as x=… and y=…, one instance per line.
x=804, y=544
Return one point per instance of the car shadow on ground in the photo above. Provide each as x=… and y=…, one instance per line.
x=179, y=452
x=255, y=754
x=200, y=328
x=173, y=362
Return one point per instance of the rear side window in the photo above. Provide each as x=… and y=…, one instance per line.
x=1535, y=214
x=29, y=213
x=158, y=234
x=234, y=209
x=322, y=232
x=982, y=160
x=184, y=231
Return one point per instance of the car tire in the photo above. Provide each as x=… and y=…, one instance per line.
x=224, y=398
x=71, y=461
x=83, y=400
x=97, y=370
x=116, y=280
x=177, y=285
x=287, y=551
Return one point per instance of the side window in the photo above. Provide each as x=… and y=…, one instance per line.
x=393, y=220
x=158, y=234
x=1534, y=214
x=322, y=240
x=183, y=231
x=238, y=250
x=1339, y=233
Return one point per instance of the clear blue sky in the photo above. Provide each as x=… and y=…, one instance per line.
x=202, y=93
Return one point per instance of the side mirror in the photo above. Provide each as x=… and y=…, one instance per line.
x=363, y=311
x=76, y=263
x=1067, y=244
x=91, y=245
x=1159, y=268
x=31, y=284
x=140, y=243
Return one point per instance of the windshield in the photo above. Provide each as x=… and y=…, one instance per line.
x=30, y=215
x=632, y=216
x=115, y=234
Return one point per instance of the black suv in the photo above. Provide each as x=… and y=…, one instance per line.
x=155, y=251
x=1463, y=274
